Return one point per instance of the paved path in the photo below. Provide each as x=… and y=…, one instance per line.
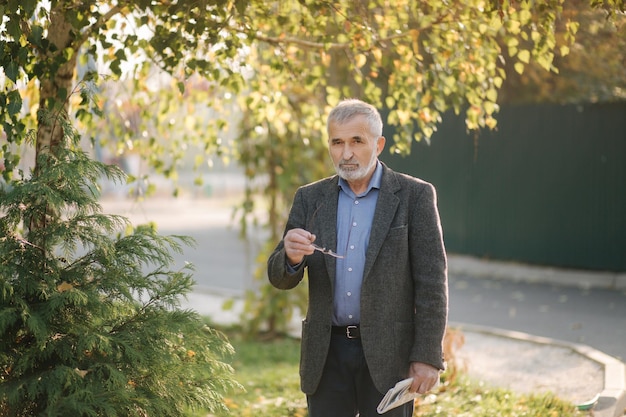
x=595, y=317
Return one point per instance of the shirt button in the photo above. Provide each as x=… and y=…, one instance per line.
x=349, y=316
x=354, y=224
x=349, y=269
x=349, y=293
x=356, y=201
x=351, y=246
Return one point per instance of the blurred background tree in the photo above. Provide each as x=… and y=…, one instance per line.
x=592, y=72
x=167, y=79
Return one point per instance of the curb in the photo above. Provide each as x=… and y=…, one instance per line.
x=467, y=265
x=611, y=402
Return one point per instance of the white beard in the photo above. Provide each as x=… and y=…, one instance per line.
x=358, y=173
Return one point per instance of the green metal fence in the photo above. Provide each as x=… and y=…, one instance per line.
x=547, y=187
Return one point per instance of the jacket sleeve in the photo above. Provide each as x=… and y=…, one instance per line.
x=277, y=271
x=429, y=269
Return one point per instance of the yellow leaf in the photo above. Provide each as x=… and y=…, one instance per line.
x=546, y=61
x=360, y=60
x=64, y=286
x=415, y=40
x=378, y=55
x=525, y=16
x=572, y=27
x=524, y=56
x=491, y=122
x=450, y=81
x=490, y=107
x=325, y=59
x=512, y=42
x=519, y=67
x=535, y=36
x=514, y=26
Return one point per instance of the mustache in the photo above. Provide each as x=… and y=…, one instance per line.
x=349, y=162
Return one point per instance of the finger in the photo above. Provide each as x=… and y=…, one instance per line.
x=297, y=244
x=428, y=385
x=299, y=236
x=422, y=385
x=292, y=238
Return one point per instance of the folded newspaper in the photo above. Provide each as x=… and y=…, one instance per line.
x=398, y=395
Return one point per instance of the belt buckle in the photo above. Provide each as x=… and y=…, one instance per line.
x=349, y=332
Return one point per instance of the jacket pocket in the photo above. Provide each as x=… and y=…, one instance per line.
x=398, y=232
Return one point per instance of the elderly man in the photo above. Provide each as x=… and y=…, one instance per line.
x=372, y=243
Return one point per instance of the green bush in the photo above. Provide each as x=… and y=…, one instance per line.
x=90, y=323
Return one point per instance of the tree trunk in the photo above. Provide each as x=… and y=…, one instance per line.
x=55, y=86
x=54, y=91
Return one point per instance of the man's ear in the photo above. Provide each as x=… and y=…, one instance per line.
x=380, y=144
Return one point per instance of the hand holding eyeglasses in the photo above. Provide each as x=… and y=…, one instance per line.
x=299, y=243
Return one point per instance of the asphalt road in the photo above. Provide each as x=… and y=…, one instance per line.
x=224, y=262
x=593, y=317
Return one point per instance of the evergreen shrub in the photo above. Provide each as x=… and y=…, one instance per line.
x=90, y=319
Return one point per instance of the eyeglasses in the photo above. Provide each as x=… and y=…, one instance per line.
x=322, y=249
x=326, y=251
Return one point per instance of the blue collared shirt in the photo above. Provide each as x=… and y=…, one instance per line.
x=355, y=214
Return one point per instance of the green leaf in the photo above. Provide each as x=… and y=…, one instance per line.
x=36, y=35
x=13, y=27
x=12, y=71
x=15, y=103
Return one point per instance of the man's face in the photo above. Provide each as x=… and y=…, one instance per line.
x=354, y=149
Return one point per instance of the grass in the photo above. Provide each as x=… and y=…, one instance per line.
x=269, y=372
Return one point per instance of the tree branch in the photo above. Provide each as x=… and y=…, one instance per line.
x=100, y=22
x=281, y=40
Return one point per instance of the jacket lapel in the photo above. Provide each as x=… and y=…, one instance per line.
x=326, y=217
x=386, y=207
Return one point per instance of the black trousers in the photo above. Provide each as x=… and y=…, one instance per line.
x=346, y=388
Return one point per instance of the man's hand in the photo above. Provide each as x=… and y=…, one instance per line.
x=425, y=377
x=298, y=244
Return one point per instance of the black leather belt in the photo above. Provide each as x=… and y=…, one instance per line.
x=351, y=332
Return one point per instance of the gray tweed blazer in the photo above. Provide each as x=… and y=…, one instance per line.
x=404, y=295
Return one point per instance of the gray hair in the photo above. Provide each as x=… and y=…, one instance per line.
x=349, y=108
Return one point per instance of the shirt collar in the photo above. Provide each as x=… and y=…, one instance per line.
x=374, y=181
